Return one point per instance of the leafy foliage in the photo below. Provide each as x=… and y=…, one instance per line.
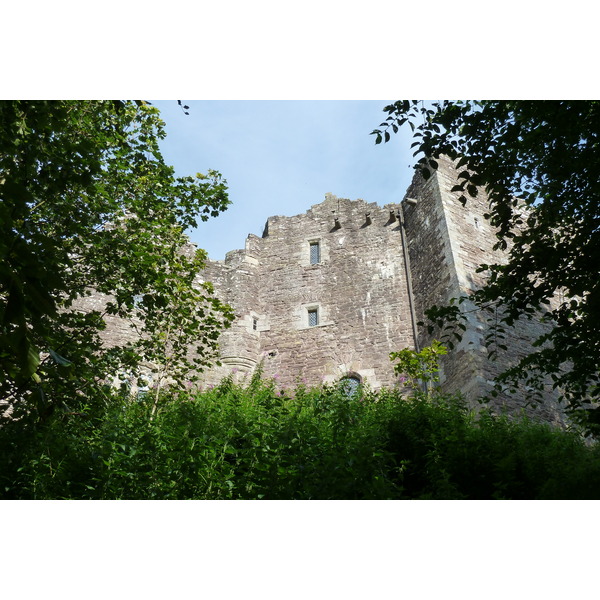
x=88, y=203
x=259, y=442
x=419, y=367
x=539, y=164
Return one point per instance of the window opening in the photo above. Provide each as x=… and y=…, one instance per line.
x=315, y=253
x=313, y=317
x=349, y=386
x=254, y=324
x=143, y=388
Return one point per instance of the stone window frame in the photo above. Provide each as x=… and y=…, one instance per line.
x=302, y=317
x=354, y=377
x=312, y=245
x=256, y=323
x=305, y=257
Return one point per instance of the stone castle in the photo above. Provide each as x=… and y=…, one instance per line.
x=328, y=294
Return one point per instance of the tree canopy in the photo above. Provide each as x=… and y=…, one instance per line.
x=88, y=204
x=539, y=163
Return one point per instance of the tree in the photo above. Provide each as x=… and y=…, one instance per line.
x=419, y=370
x=88, y=204
x=539, y=163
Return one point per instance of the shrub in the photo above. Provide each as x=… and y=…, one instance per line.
x=255, y=441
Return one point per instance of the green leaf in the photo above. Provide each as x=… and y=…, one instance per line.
x=59, y=360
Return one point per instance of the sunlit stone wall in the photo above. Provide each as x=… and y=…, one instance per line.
x=314, y=322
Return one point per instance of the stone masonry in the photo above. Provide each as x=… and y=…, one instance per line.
x=328, y=294
x=447, y=243
x=339, y=315
x=324, y=295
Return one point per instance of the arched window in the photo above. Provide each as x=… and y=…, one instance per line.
x=349, y=385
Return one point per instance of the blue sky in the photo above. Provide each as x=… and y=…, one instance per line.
x=281, y=157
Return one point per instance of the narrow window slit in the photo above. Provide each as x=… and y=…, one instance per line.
x=315, y=253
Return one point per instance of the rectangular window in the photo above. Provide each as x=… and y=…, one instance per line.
x=254, y=324
x=315, y=253
x=313, y=317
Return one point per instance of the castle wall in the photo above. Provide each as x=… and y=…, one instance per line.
x=358, y=288
x=447, y=243
x=237, y=282
x=324, y=294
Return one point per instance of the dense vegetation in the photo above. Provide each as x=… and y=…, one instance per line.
x=255, y=441
x=87, y=202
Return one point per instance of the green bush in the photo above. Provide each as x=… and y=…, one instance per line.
x=255, y=441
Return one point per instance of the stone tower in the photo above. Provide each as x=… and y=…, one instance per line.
x=330, y=293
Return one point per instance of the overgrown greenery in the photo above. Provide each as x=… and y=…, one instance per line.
x=539, y=163
x=255, y=441
x=87, y=203
x=419, y=368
